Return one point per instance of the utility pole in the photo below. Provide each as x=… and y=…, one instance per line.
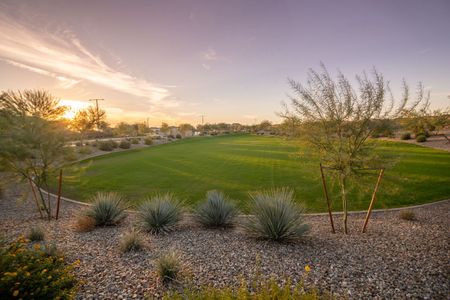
x=203, y=116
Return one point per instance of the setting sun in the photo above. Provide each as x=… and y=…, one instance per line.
x=73, y=107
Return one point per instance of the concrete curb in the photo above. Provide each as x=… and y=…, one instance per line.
x=307, y=214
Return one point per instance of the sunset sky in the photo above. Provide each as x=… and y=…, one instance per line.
x=173, y=61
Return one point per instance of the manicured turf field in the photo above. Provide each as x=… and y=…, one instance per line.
x=239, y=164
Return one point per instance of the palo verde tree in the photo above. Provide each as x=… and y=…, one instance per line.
x=337, y=120
x=32, y=138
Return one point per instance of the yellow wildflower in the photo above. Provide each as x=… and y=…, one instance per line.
x=37, y=246
x=307, y=268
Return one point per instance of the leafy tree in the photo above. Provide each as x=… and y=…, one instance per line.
x=338, y=121
x=185, y=128
x=32, y=140
x=265, y=125
x=165, y=128
x=82, y=123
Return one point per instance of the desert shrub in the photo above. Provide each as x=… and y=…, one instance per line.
x=94, y=144
x=135, y=141
x=261, y=290
x=84, y=223
x=85, y=150
x=421, y=138
x=148, y=141
x=36, y=234
x=125, y=145
x=170, y=136
x=78, y=144
x=131, y=241
x=405, y=136
x=276, y=216
x=168, y=266
x=34, y=273
x=216, y=210
x=114, y=144
x=70, y=155
x=105, y=146
x=407, y=215
x=107, y=209
x=160, y=214
x=178, y=136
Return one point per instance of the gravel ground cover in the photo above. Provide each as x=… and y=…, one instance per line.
x=395, y=259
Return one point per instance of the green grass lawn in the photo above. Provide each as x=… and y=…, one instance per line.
x=239, y=164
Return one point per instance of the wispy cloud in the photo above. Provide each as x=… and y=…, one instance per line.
x=64, y=57
x=210, y=54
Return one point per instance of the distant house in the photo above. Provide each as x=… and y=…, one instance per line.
x=155, y=130
x=173, y=130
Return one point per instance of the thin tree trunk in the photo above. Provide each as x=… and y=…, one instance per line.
x=344, y=200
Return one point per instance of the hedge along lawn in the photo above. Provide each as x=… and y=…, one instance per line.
x=239, y=164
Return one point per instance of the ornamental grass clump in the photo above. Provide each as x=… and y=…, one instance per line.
x=276, y=216
x=84, y=223
x=107, y=209
x=169, y=266
x=36, y=234
x=216, y=210
x=131, y=241
x=408, y=215
x=160, y=213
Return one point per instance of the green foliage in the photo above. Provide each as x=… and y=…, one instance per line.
x=32, y=137
x=421, y=138
x=169, y=266
x=135, y=141
x=34, y=273
x=148, y=141
x=131, y=241
x=107, y=209
x=85, y=150
x=276, y=216
x=105, y=146
x=114, y=144
x=124, y=145
x=178, y=136
x=160, y=214
x=407, y=215
x=36, y=234
x=265, y=290
x=405, y=136
x=216, y=210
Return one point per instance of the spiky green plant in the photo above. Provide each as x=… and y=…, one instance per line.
x=216, y=210
x=160, y=213
x=36, y=234
x=131, y=241
x=107, y=209
x=276, y=216
x=169, y=266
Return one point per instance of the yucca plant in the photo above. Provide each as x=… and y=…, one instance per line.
x=216, y=210
x=169, y=266
x=160, y=213
x=107, y=209
x=276, y=216
x=131, y=241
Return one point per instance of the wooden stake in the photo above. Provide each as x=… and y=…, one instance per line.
x=35, y=198
x=328, y=200
x=369, y=211
x=59, y=194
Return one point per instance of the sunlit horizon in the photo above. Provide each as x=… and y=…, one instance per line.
x=220, y=61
